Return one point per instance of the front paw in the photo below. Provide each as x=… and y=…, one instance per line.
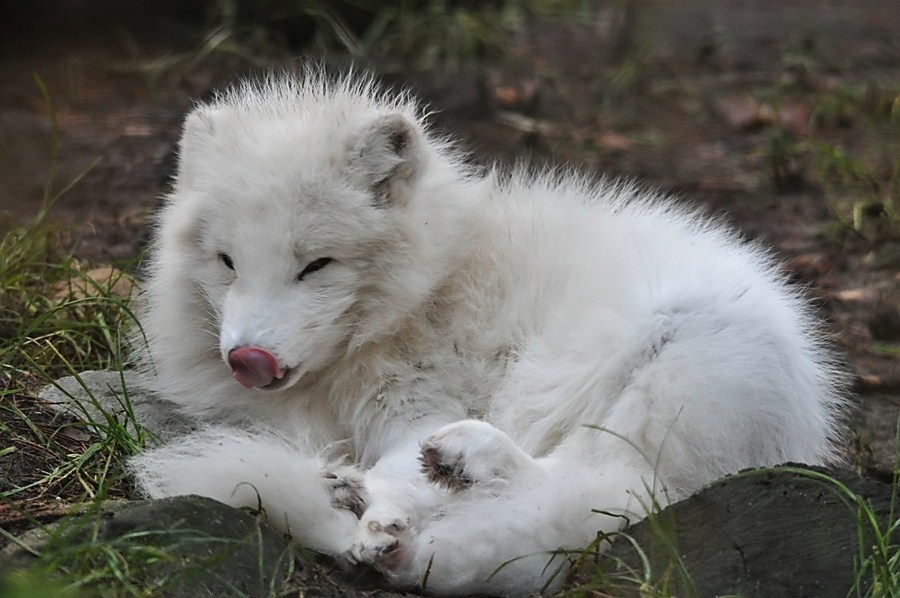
x=468, y=452
x=345, y=485
x=380, y=541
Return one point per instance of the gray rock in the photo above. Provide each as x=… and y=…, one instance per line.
x=187, y=546
x=217, y=550
x=777, y=533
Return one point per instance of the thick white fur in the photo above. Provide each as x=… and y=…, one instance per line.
x=562, y=346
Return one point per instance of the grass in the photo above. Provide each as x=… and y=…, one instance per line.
x=57, y=317
x=661, y=572
x=147, y=562
x=863, y=185
x=848, y=146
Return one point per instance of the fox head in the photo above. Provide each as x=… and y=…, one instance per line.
x=306, y=219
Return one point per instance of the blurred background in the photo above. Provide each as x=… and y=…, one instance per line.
x=783, y=117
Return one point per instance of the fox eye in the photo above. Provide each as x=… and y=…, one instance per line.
x=226, y=259
x=314, y=266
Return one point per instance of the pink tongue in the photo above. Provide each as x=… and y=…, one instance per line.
x=253, y=366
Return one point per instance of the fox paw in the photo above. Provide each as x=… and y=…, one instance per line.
x=469, y=452
x=379, y=541
x=345, y=484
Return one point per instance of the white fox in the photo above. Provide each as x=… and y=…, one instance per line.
x=437, y=370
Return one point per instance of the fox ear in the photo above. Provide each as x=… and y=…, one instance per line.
x=199, y=124
x=199, y=129
x=386, y=156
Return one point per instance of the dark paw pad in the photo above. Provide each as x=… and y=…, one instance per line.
x=449, y=474
x=346, y=493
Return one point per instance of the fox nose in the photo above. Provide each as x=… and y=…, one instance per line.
x=254, y=366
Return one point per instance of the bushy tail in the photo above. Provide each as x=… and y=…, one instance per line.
x=248, y=469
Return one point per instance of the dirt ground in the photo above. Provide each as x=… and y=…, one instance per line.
x=678, y=95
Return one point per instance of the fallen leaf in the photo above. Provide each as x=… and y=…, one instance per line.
x=615, y=142
x=96, y=282
x=74, y=433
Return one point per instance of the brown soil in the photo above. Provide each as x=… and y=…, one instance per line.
x=673, y=94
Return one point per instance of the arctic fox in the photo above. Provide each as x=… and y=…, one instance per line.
x=450, y=373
